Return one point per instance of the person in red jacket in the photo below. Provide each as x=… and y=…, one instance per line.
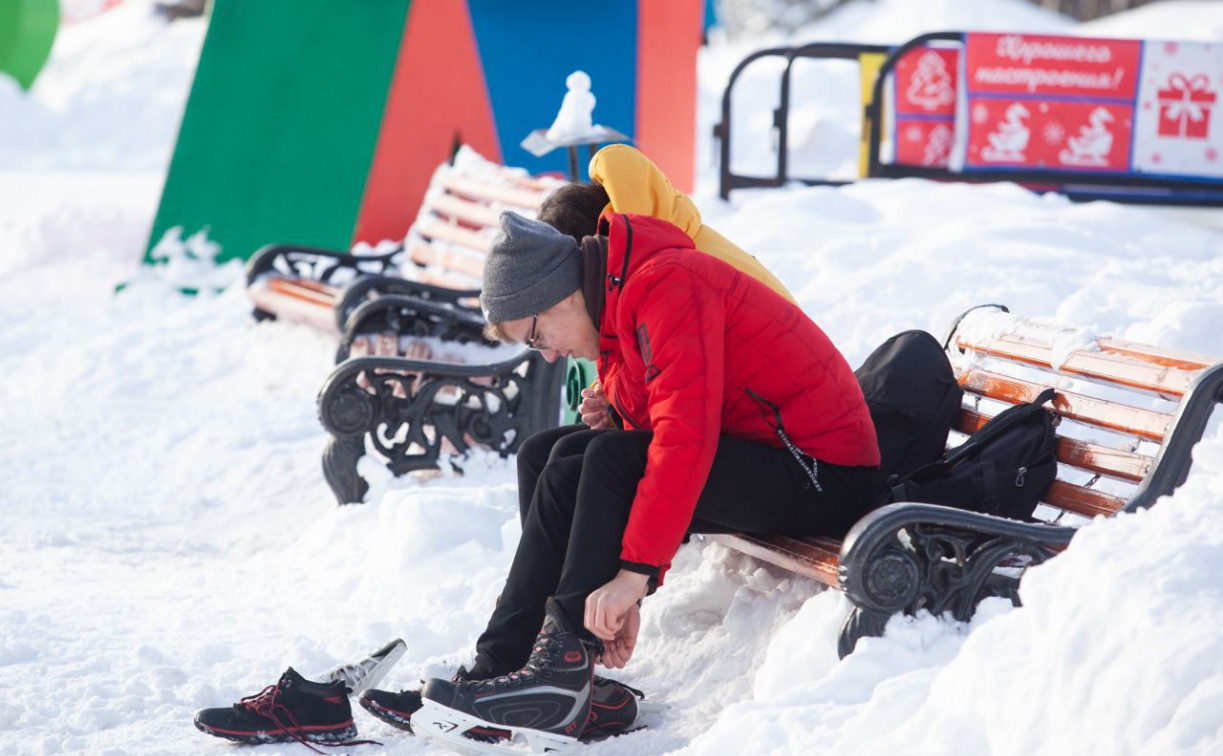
x=735, y=413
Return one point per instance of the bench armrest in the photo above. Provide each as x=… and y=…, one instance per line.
x=893, y=559
x=410, y=412
x=907, y=556
x=315, y=264
x=410, y=316
x=361, y=290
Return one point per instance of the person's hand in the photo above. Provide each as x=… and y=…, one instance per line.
x=613, y=616
x=593, y=408
x=618, y=650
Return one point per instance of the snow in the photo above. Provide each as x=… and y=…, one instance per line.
x=167, y=541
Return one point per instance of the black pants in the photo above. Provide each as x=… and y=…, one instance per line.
x=576, y=487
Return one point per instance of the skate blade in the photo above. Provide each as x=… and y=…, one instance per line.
x=368, y=672
x=447, y=726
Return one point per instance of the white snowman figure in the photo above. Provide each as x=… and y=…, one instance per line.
x=574, y=120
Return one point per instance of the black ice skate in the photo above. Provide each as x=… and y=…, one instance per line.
x=546, y=703
x=293, y=709
x=615, y=708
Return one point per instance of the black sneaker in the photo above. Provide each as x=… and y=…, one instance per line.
x=397, y=708
x=547, y=701
x=293, y=709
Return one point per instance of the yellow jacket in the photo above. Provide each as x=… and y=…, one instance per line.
x=636, y=185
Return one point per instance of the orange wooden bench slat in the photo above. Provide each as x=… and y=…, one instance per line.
x=476, y=189
x=1157, y=355
x=471, y=213
x=815, y=558
x=1082, y=501
x=291, y=307
x=451, y=260
x=456, y=235
x=1103, y=366
x=304, y=289
x=1148, y=424
x=1082, y=454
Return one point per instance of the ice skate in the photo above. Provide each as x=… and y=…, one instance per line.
x=545, y=705
x=368, y=672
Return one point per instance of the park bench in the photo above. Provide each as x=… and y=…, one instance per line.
x=1129, y=416
x=1121, y=119
x=441, y=259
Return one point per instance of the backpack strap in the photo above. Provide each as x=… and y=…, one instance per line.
x=997, y=426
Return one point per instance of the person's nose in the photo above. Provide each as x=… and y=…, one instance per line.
x=550, y=354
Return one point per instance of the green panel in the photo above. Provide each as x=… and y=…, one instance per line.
x=579, y=375
x=27, y=31
x=281, y=125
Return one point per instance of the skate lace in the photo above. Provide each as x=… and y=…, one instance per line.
x=539, y=665
x=266, y=703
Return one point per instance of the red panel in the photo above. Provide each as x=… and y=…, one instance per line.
x=669, y=36
x=926, y=81
x=1058, y=134
x=438, y=94
x=1045, y=65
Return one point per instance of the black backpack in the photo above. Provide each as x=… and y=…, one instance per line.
x=913, y=399
x=1004, y=469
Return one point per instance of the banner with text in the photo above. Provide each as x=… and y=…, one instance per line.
x=1046, y=102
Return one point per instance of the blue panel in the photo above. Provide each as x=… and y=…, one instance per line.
x=528, y=47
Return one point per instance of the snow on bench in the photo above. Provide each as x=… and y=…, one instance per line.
x=444, y=249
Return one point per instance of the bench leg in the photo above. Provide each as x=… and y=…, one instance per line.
x=340, y=469
x=861, y=623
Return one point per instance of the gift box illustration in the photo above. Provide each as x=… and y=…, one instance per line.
x=1185, y=104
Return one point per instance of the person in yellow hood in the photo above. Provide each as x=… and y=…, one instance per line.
x=633, y=184
x=624, y=180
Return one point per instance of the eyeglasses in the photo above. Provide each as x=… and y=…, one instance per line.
x=532, y=341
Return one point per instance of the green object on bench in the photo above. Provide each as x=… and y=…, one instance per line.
x=27, y=31
x=1130, y=416
x=579, y=375
x=281, y=123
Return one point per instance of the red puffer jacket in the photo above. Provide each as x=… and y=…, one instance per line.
x=692, y=349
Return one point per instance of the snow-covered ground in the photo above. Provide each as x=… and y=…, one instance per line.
x=167, y=541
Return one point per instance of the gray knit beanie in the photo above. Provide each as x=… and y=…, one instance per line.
x=530, y=267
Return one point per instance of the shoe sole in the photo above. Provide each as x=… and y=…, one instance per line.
x=260, y=737
x=390, y=716
x=404, y=722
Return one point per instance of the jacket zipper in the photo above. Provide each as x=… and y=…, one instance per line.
x=613, y=281
x=813, y=471
x=625, y=415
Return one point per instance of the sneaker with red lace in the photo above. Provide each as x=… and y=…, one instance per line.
x=293, y=709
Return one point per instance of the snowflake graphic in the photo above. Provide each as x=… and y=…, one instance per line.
x=1212, y=155
x=1156, y=158
x=1054, y=133
x=913, y=134
x=980, y=113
